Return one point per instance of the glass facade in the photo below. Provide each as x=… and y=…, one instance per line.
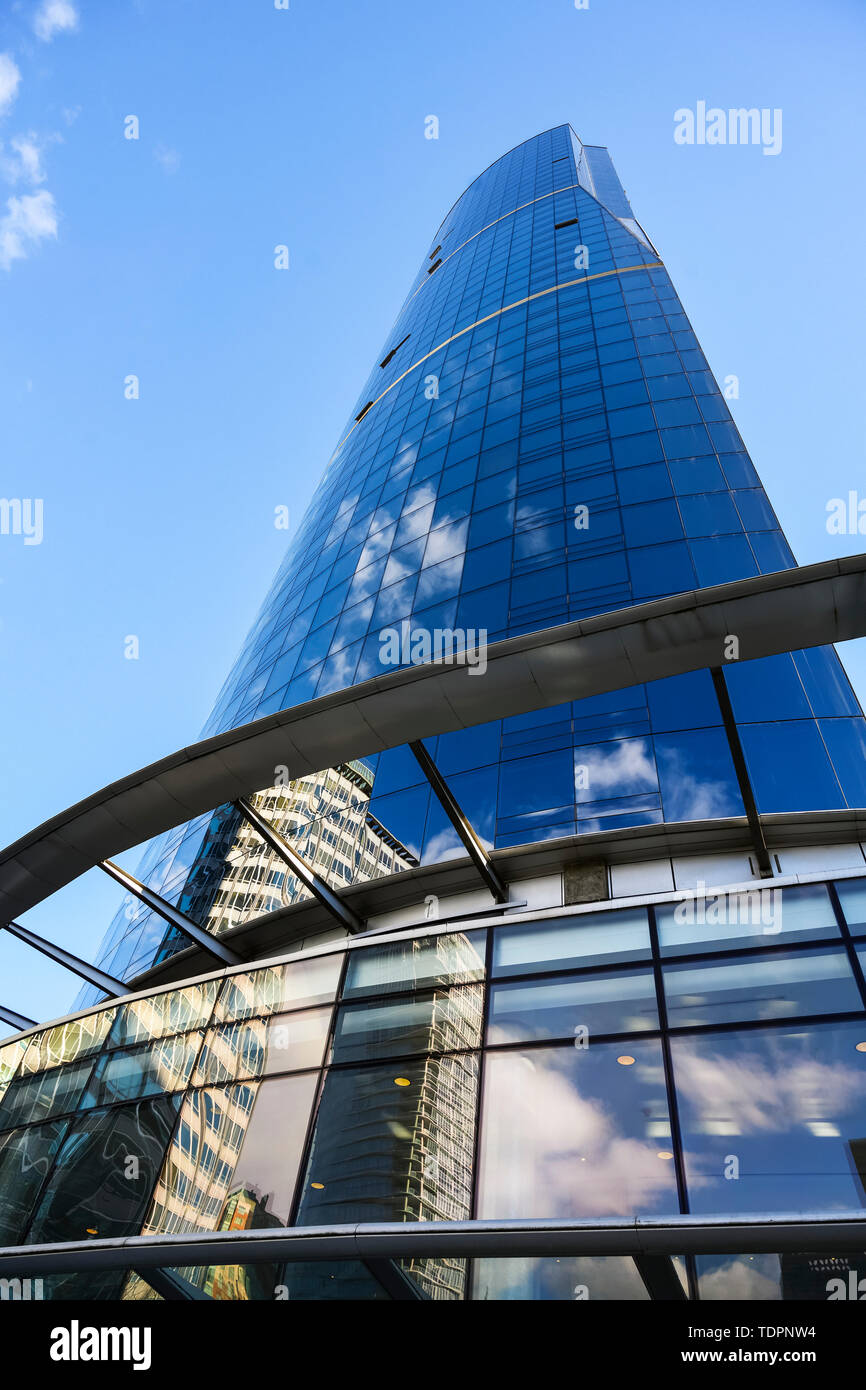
x=542, y=439
x=574, y=1064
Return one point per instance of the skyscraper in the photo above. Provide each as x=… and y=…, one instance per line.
x=537, y=874
x=541, y=440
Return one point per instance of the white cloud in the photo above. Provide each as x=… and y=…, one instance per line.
x=25, y=161
x=26, y=221
x=54, y=17
x=9, y=79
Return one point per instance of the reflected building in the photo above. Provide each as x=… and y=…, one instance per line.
x=324, y=817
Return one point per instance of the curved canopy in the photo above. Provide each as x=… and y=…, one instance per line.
x=770, y=613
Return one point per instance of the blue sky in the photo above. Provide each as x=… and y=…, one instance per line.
x=305, y=127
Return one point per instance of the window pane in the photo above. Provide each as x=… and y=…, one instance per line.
x=773, y=1119
x=576, y=1132
x=30, y=1098
x=25, y=1158
x=280, y=987
x=81, y=1037
x=789, y=766
x=852, y=896
x=234, y=1158
x=176, y=1011
x=444, y=1021
x=757, y=917
x=603, y=1003
x=143, y=1071
x=757, y=1278
x=566, y=943
x=260, y=1047
x=773, y=987
x=10, y=1056
x=320, y=1281
x=423, y=961
x=393, y=1143
x=95, y=1189
x=565, y=1280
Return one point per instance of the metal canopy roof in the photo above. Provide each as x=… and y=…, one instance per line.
x=773, y=613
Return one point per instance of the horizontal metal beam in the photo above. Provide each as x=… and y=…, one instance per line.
x=88, y=972
x=470, y=841
x=770, y=613
x=320, y=890
x=16, y=1020
x=170, y=913
x=684, y=1235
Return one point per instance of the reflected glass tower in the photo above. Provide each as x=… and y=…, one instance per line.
x=540, y=440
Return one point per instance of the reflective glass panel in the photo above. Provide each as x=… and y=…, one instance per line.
x=176, y=1011
x=768, y=1278
x=566, y=943
x=105, y=1172
x=30, y=1098
x=773, y=1119
x=584, y=1005
x=262, y=1046
x=80, y=1037
x=567, y=1280
x=302, y=1280
x=277, y=988
x=25, y=1158
x=852, y=896
x=393, y=1143
x=757, y=917
x=576, y=1132
x=128, y=1073
x=772, y=987
x=234, y=1158
x=446, y=959
x=442, y=1021
x=10, y=1056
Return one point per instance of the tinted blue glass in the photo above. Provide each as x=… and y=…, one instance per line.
x=557, y=1122
x=768, y=987
x=852, y=896
x=709, y=514
x=781, y=758
x=651, y=523
x=755, y=917
x=568, y=943
x=687, y=701
x=697, y=776
x=723, y=558
x=451, y=501
x=786, y=1103
x=643, y=484
x=581, y=1006
x=661, y=569
x=824, y=680
x=846, y=742
x=545, y=781
x=766, y=689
